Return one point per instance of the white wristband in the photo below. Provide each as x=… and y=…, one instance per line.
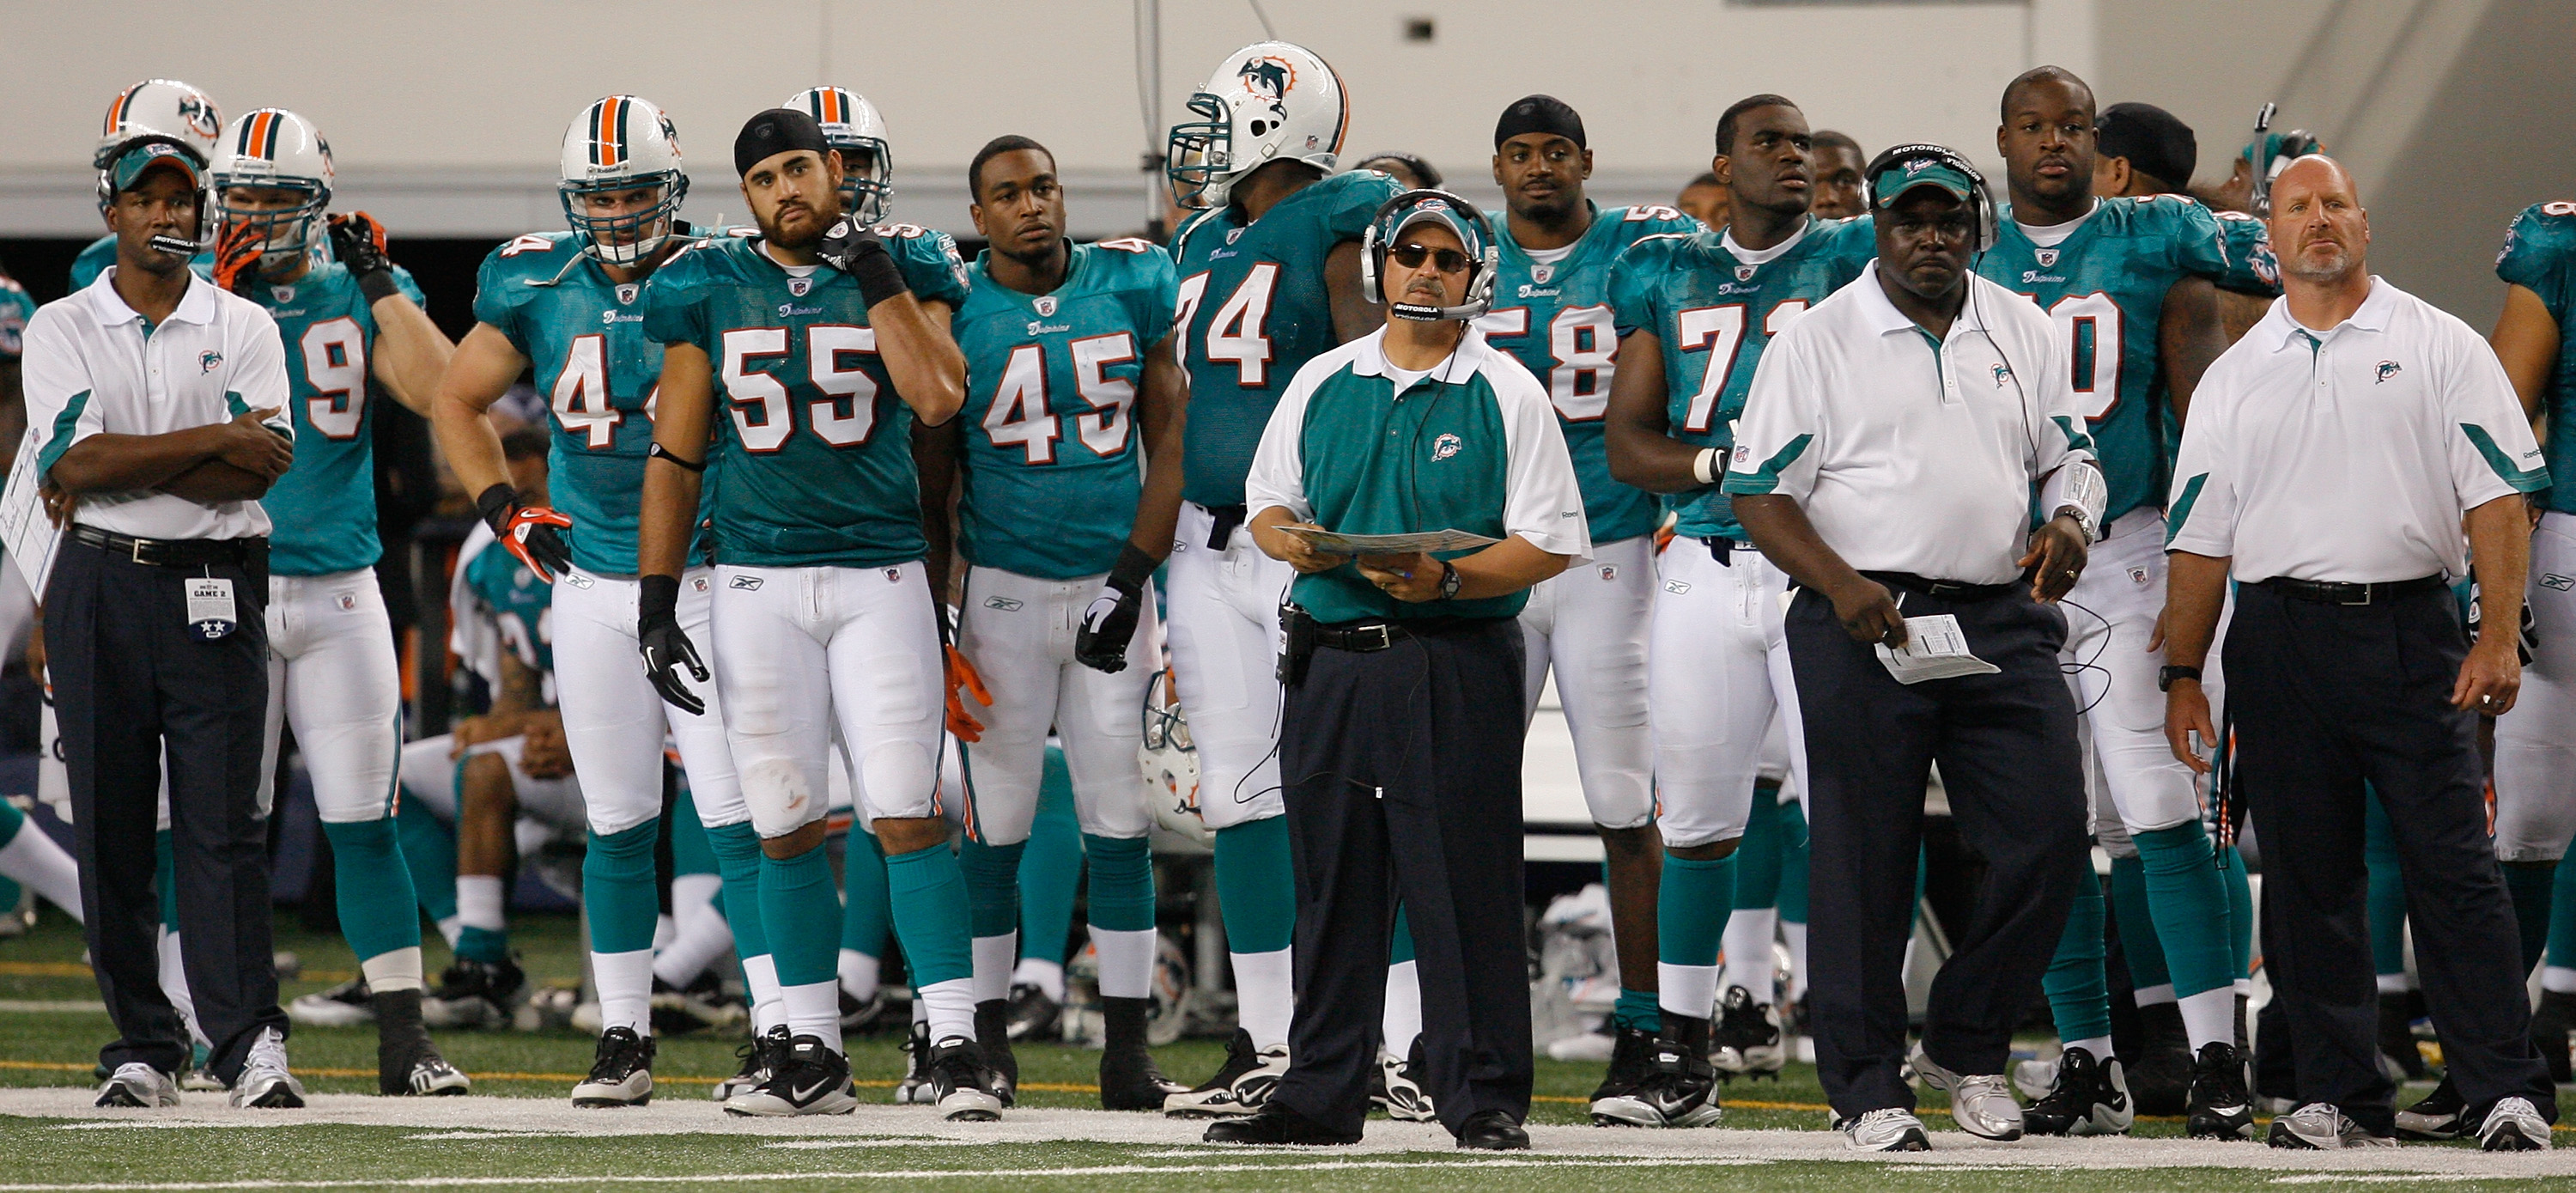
x=1704, y=466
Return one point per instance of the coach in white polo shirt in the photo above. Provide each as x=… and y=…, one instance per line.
x=156, y=399
x=1886, y=460
x=2332, y=457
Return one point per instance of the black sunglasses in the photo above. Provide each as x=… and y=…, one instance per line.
x=1411, y=256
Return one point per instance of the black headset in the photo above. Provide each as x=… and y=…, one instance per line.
x=1480, y=281
x=1983, y=200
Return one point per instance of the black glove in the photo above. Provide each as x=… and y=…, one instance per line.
x=359, y=242
x=855, y=249
x=533, y=533
x=1110, y=623
x=664, y=645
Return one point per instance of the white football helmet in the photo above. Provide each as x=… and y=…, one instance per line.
x=163, y=108
x=852, y=126
x=1270, y=101
x=622, y=143
x=275, y=148
x=1171, y=762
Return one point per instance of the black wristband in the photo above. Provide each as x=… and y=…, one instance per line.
x=657, y=597
x=873, y=268
x=495, y=505
x=659, y=452
x=1133, y=569
x=378, y=286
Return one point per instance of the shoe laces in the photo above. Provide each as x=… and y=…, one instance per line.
x=267, y=1052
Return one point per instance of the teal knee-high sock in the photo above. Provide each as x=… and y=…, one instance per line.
x=2240, y=910
x=866, y=921
x=691, y=852
x=1691, y=909
x=2387, y=890
x=617, y=889
x=1256, y=886
x=2189, y=902
x=992, y=885
x=2138, y=941
x=2562, y=918
x=429, y=852
x=1757, y=855
x=737, y=852
x=801, y=917
x=928, y=893
x=1793, y=863
x=1399, y=943
x=2530, y=884
x=378, y=912
x=1122, y=887
x=11, y=820
x=1051, y=868
x=2079, y=998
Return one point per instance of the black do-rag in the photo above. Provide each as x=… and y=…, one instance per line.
x=776, y=131
x=2154, y=141
x=1540, y=114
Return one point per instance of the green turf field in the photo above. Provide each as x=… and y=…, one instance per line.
x=528, y=1136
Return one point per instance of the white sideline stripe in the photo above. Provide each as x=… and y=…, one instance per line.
x=2338, y=1178
x=51, y=1006
x=427, y=1182
x=825, y=1144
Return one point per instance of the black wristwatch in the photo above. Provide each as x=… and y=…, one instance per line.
x=2165, y=678
x=1449, y=581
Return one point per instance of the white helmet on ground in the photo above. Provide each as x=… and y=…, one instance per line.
x=622, y=143
x=158, y=108
x=1271, y=101
x=273, y=147
x=852, y=126
x=1171, y=762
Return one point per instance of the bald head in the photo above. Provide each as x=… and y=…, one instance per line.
x=2319, y=230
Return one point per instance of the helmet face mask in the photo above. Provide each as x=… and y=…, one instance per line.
x=290, y=232
x=265, y=156
x=854, y=129
x=620, y=144
x=1270, y=101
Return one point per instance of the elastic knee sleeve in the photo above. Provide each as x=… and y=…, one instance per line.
x=801, y=917
x=992, y=886
x=618, y=889
x=2139, y=944
x=1757, y=855
x=736, y=848
x=1122, y=883
x=2188, y=899
x=866, y=922
x=928, y=893
x=1256, y=886
x=1691, y=909
x=377, y=911
x=2079, y=998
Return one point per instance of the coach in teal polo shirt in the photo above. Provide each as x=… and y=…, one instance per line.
x=1400, y=747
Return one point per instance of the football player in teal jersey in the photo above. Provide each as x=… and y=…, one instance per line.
x=152, y=108
x=1693, y=312
x=829, y=340
x=353, y=328
x=1072, y=389
x=1839, y=191
x=570, y=306
x=1552, y=312
x=2130, y=282
x=1270, y=277
x=2535, y=750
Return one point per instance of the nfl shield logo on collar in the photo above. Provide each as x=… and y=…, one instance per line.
x=1744, y=273
x=2047, y=258
x=627, y=292
x=1541, y=273
x=283, y=293
x=1045, y=304
x=798, y=286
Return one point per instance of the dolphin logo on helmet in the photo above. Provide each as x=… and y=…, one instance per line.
x=1270, y=101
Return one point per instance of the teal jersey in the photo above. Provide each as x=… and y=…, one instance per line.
x=1714, y=315
x=1253, y=310
x=15, y=309
x=1555, y=319
x=1051, y=460
x=2540, y=256
x=2104, y=287
x=813, y=460
x=2251, y=267
x=519, y=605
x=101, y=253
x=324, y=508
x=583, y=335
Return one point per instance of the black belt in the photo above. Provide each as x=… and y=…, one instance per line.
x=1721, y=548
x=1948, y=590
x=2325, y=592
x=1222, y=519
x=1369, y=637
x=171, y=553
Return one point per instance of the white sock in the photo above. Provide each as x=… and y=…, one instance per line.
x=768, y=1004
x=700, y=933
x=1403, y=1017
x=1796, y=934
x=2392, y=983
x=2244, y=987
x=994, y=956
x=625, y=989
x=1687, y=989
x=951, y=1008
x=35, y=861
x=814, y=1009
x=174, y=985
x=2209, y=1017
x=452, y=928
x=2099, y=1046
x=664, y=930
x=479, y=902
x=1048, y=976
x=2149, y=996
x=2558, y=979
x=1126, y=964
x=394, y=969
x=859, y=974
x=1265, y=995
x=1746, y=956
